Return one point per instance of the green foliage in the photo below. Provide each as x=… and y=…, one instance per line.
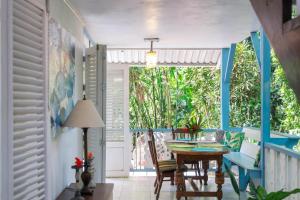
x=260, y=193
x=170, y=96
x=245, y=88
x=234, y=140
x=285, y=109
x=193, y=123
x=166, y=96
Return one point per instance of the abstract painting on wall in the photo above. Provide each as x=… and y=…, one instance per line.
x=61, y=75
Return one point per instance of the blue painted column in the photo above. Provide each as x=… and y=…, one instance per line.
x=265, y=61
x=226, y=69
x=225, y=91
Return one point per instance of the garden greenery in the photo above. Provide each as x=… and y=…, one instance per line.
x=163, y=97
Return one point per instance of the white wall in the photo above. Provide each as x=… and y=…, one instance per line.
x=67, y=145
x=0, y=97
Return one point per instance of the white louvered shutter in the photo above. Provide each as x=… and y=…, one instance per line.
x=95, y=79
x=115, y=106
x=28, y=132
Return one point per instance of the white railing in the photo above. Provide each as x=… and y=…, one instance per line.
x=282, y=169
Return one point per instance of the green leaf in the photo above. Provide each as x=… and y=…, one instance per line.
x=233, y=180
x=279, y=195
x=253, y=190
x=261, y=192
x=251, y=198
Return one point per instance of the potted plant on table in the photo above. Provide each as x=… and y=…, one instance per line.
x=194, y=126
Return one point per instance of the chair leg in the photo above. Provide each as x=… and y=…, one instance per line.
x=199, y=173
x=205, y=164
x=185, y=190
x=156, y=187
x=155, y=182
x=172, y=179
x=194, y=167
x=160, y=181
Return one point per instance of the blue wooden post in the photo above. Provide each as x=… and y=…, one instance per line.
x=257, y=43
x=226, y=69
x=265, y=61
x=225, y=92
x=243, y=179
x=256, y=46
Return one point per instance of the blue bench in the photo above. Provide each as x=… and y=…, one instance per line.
x=245, y=159
x=246, y=168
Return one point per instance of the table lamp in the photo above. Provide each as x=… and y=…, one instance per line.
x=84, y=116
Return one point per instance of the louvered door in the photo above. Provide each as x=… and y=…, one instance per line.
x=117, y=122
x=27, y=133
x=95, y=79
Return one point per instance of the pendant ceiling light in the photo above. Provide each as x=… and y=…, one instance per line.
x=151, y=56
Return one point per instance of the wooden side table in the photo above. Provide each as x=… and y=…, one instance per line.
x=103, y=191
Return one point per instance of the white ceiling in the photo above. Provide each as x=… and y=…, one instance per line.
x=178, y=23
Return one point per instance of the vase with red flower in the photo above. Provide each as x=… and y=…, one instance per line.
x=77, y=166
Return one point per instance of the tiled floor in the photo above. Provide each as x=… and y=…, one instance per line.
x=140, y=187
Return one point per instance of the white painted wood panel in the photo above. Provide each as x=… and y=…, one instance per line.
x=26, y=128
x=117, y=124
x=250, y=149
x=293, y=180
x=282, y=171
x=270, y=167
x=95, y=82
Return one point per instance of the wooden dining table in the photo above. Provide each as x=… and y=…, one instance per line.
x=185, y=152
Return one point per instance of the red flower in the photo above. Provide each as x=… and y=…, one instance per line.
x=78, y=162
x=195, y=127
x=90, y=155
x=186, y=129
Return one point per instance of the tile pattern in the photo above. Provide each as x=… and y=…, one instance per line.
x=141, y=188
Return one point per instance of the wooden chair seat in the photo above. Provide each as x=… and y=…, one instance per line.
x=171, y=167
x=161, y=162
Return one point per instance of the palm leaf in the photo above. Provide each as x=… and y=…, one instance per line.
x=233, y=181
x=253, y=190
x=261, y=192
x=279, y=195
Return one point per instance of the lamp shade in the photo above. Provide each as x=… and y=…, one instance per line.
x=151, y=59
x=84, y=115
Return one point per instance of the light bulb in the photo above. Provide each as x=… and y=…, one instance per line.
x=151, y=59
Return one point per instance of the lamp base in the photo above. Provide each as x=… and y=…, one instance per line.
x=86, y=179
x=78, y=196
x=86, y=191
